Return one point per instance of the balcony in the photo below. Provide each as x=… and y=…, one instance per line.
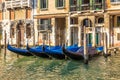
x=85, y=7
x=73, y=8
x=18, y=4
x=98, y=6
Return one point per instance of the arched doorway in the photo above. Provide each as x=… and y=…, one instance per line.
x=88, y=24
x=99, y=34
x=20, y=33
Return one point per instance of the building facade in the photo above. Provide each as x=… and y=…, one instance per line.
x=57, y=22
x=51, y=20
x=16, y=20
x=97, y=16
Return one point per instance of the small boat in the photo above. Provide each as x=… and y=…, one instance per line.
x=37, y=51
x=78, y=53
x=57, y=52
x=23, y=52
x=73, y=54
x=100, y=49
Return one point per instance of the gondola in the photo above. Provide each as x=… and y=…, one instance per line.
x=57, y=52
x=73, y=54
x=78, y=54
x=19, y=51
x=37, y=51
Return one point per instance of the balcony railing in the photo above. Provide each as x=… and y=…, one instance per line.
x=73, y=8
x=45, y=27
x=18, y=3
x=85, y=7
x=98, y=6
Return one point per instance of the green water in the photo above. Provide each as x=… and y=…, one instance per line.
x=32, y=68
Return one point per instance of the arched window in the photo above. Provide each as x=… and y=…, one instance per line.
x=100, y=20
x=1, y=32
x=28, y=30
x=12, y=30
x=87, y=23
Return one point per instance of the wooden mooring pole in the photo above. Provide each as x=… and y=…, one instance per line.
x=105, y=45
x=85, y=48
x=5, y=50
x=18, y=43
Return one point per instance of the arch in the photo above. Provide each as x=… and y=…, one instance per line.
x=28, y=30
x=100, y=20
x=87, y=22
x=1, y=28
x=1, y=31
x=20, y=24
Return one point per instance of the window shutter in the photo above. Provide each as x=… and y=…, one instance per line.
x=91, y=4
x=64, y=3
x=46, y=3
x=55, y=3
x=80, y=4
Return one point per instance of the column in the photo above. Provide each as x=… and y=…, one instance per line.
x=53, y=31
x=107, y=26
x=68, y=31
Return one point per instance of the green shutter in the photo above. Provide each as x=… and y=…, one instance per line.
x=64, y=3
x=49, y=21
x=47, y=4
x=80, y=4
x=55, y=3
x=97, y=38
x=91, y=4
x=103, y=4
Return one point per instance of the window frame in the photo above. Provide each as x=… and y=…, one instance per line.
x=58, y=6
x=118, y=36
x=42, y=5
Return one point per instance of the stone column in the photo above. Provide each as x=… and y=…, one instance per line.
x=93, y=31
x=68, y=30
x=79, y=31
x=107, y=26
x=53, y=31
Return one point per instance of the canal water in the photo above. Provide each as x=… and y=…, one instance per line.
x=34, y=68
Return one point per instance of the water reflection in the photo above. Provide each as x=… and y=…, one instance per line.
x=31, y=68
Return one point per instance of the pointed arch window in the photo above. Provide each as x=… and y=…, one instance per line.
x=1, y=32
x=28, y=30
